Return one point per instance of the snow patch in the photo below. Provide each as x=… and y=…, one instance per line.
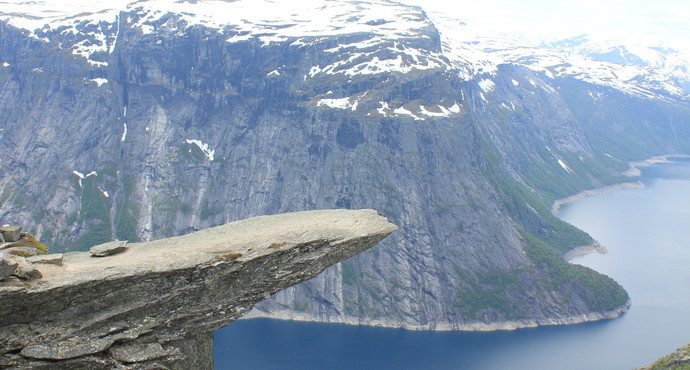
x=100, y=81
x=404, y=112
x=124, y=132
x=383, y=109
x=339, y=103
x=81, y=176
x=444, y=112
x=565, y=166
x=487, y=85
x=314, y=70
x=204, y=148
x=105, y=193
x=455, y=108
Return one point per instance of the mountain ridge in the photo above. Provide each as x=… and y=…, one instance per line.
x=172, y=129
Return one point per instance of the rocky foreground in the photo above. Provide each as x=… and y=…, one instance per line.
x=156, y=304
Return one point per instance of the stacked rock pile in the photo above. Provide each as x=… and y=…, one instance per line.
x=19, y=252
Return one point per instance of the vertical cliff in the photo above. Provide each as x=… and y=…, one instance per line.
x=141, y=123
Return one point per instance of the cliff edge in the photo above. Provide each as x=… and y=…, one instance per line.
x=157, y=304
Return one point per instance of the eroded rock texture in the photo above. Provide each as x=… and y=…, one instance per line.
x=156, y=304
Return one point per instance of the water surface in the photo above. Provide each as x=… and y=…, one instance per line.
x=647, y=233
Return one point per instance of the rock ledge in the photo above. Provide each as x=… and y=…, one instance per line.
x=157, y=304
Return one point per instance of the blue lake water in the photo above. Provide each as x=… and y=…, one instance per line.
x=647, y=233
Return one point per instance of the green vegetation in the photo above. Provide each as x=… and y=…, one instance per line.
x=489, y=291
x=300, y=307
x=547, y=236
x=207, y=211
x=71, y=218
x=533, y=210
x=601, y=292
x=30, y=241
x=98, y=233
x=349, y=275
x=678, y=360
x=186, y=152
x=95, y=214
x=126, y=222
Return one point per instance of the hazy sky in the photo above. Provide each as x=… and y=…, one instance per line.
x=652, y=18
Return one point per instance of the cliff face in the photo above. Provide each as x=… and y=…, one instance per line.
x=159, y=302
x=150, y=124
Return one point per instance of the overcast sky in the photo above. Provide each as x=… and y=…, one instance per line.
x=663, y=19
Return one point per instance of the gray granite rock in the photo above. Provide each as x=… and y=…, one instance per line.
x=26, y=270
x=158, y=304
x=7, y=267
x=72, y=348
x=11, y=233
x=130, y=353
x=108, y=249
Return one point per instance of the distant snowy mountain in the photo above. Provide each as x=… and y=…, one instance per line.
x=652, y=71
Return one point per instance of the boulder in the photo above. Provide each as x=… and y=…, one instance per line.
x=107, y=249
x=11, y=233
x=25, y=270
x=8, y=266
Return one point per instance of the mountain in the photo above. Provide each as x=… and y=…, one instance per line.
x=153, y=119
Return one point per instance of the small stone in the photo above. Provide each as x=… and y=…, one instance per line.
x=11, y=233
x=47, y=259
x=129, y=353
x=22, y=251
x=8, y=266
x=108, y=249
x=26, y=271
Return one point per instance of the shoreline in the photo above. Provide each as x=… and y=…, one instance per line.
x=586, y=193
x=633, y=171
x=595, y=247
x=448, y=326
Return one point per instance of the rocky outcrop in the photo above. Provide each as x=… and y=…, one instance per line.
x=10, y=233
x=156, y=304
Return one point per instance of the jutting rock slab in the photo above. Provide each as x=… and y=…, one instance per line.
x=156, y=304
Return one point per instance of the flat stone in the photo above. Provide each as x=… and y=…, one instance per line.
x=11, y=233
x=22, y=251
x=47, y=259
x=26, y=270
x=130, y=353
x=75, y=347
x=108, y=249
x=8, y=266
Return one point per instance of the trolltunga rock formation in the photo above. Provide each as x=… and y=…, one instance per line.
x=156, y=304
